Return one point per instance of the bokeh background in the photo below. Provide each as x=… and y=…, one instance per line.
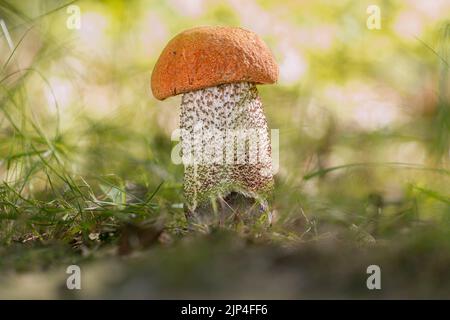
x=86, y=176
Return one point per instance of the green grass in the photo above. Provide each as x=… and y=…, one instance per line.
x=100, y=190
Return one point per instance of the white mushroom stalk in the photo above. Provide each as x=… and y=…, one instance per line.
x=225, y=145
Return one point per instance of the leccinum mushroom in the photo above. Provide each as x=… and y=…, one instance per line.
x=224, y=136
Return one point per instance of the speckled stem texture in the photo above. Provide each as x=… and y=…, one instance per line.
x=225, y=144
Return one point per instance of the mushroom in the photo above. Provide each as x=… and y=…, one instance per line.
x=225, y=142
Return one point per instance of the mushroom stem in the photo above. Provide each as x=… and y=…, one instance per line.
x=226, y=148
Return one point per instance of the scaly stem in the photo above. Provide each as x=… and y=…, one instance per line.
x=225, y=144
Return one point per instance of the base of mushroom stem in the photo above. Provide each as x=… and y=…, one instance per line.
x=233, y=209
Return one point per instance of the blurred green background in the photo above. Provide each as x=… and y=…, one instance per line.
x=86, y=176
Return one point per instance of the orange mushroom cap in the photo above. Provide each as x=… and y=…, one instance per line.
x=209, y=56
